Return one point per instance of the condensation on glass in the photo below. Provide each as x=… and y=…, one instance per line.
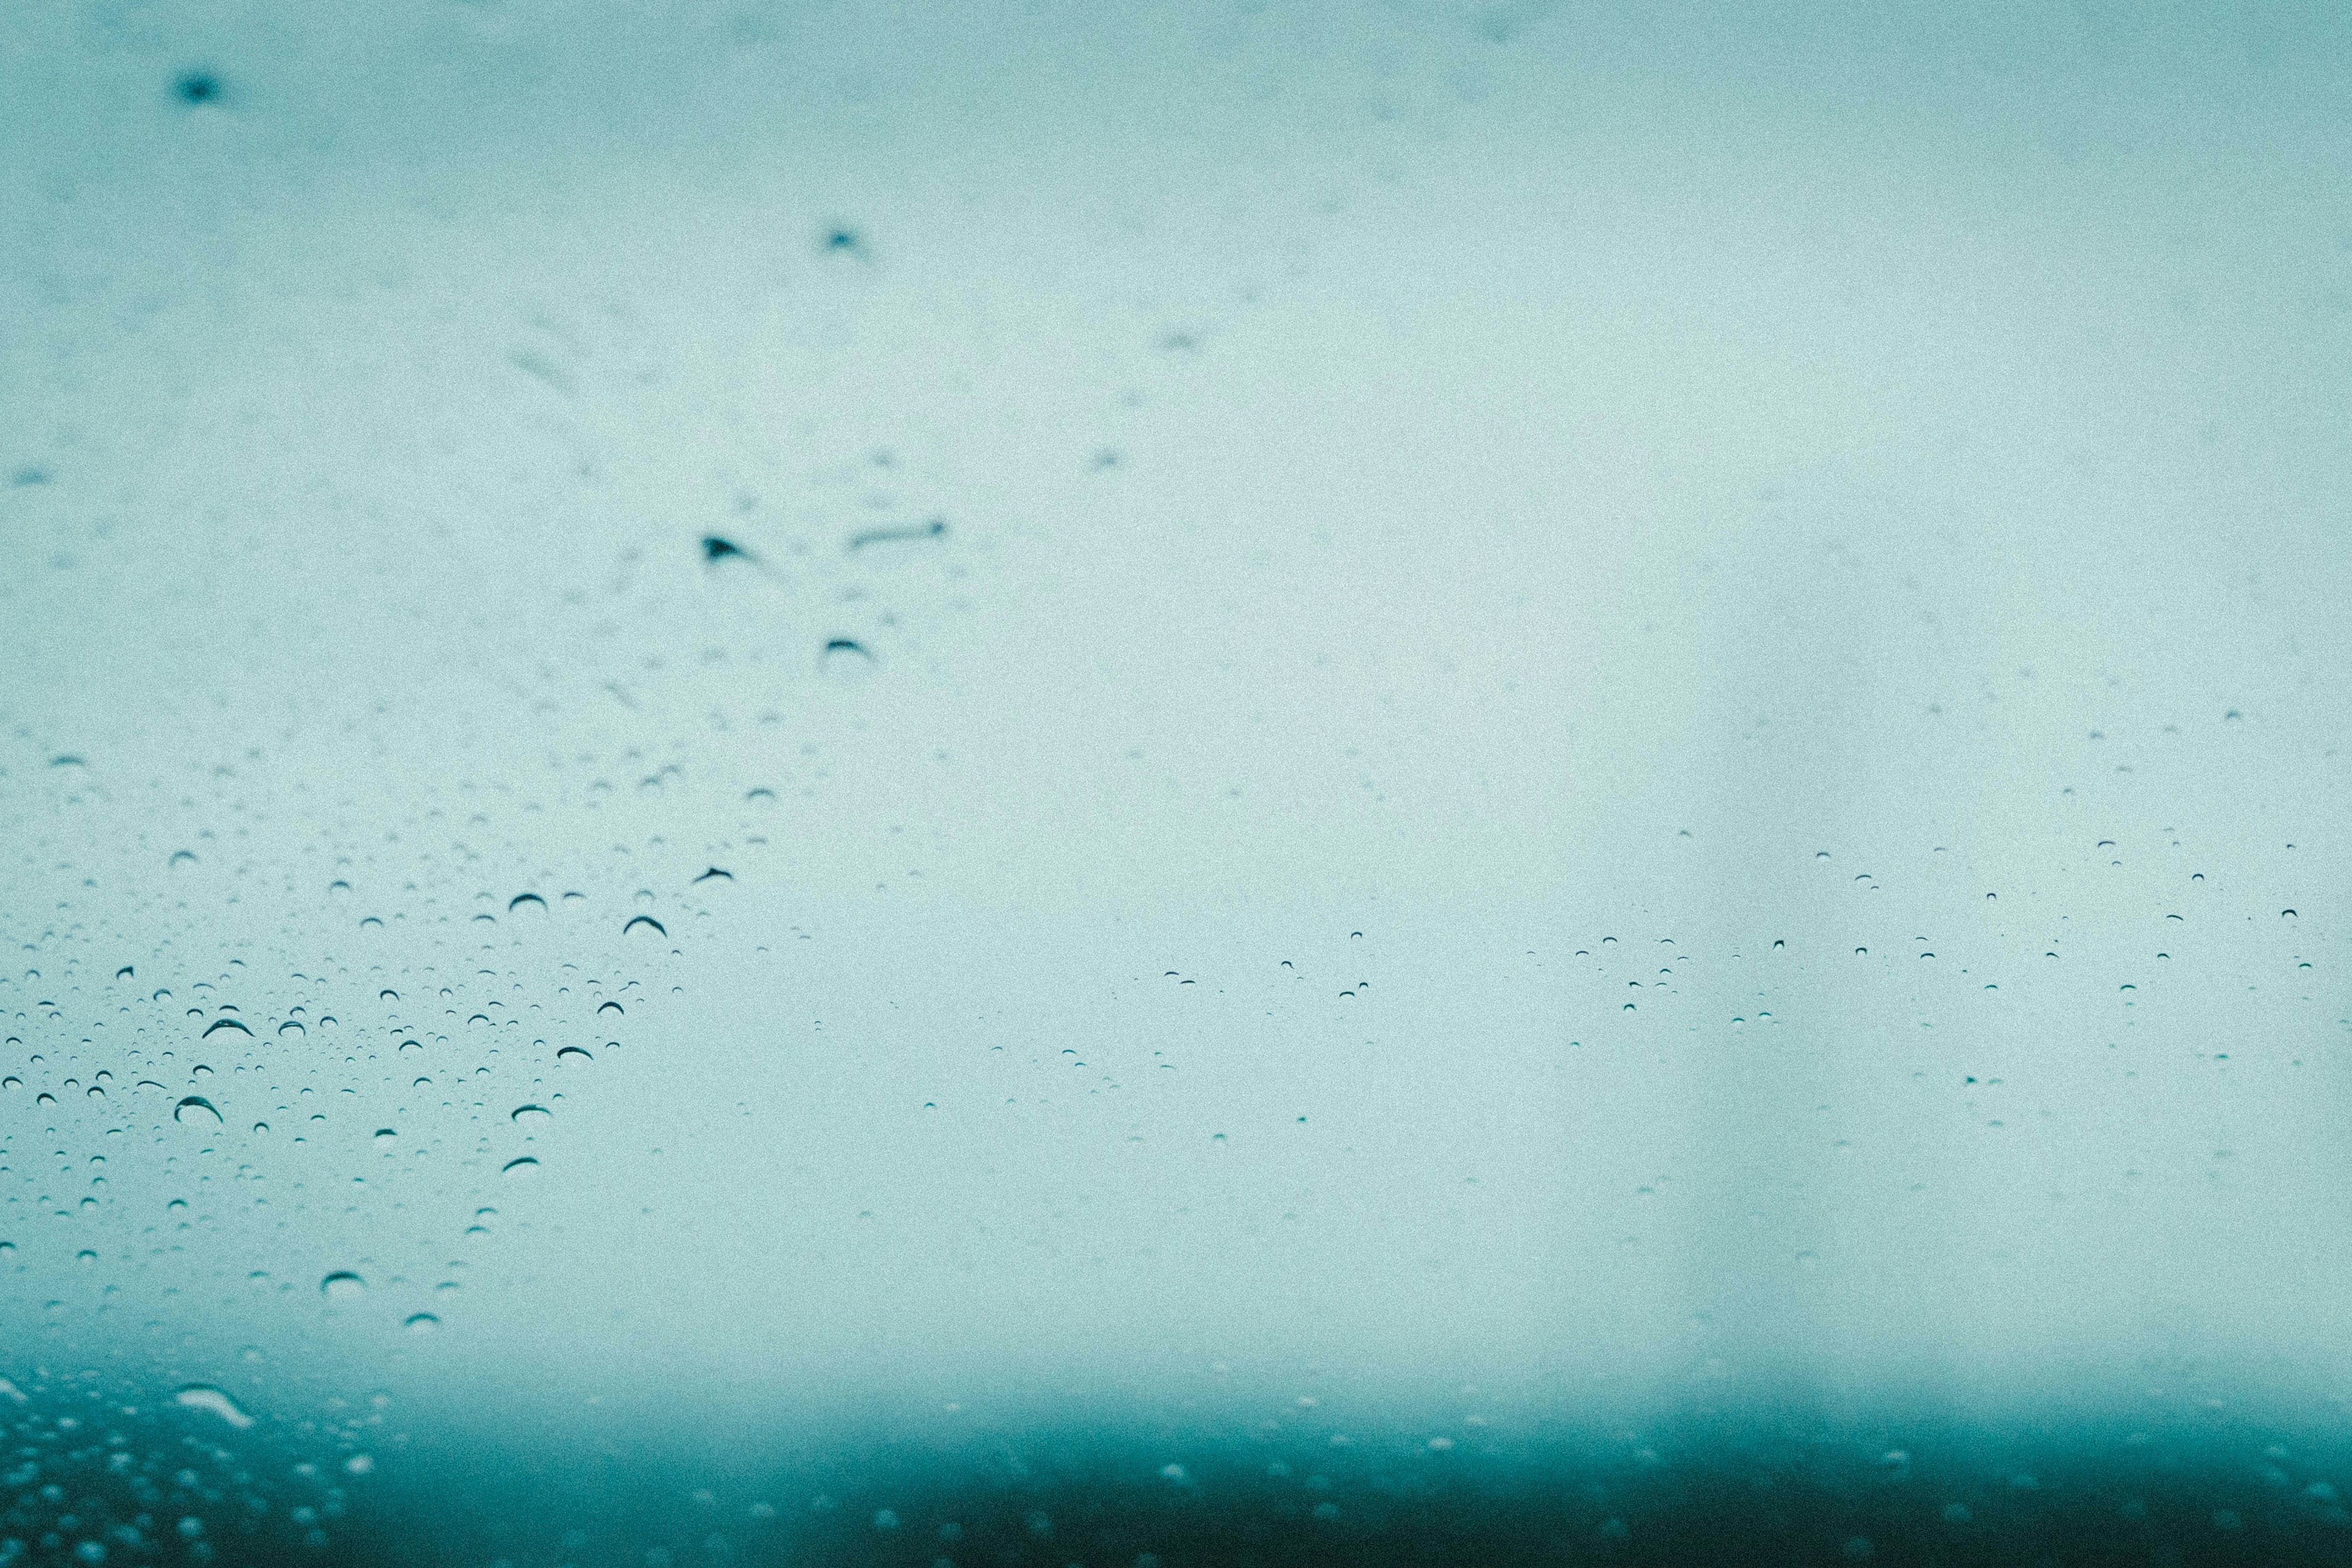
x=1010, y=783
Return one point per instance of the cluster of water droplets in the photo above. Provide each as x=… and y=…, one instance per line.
x=97, y=1473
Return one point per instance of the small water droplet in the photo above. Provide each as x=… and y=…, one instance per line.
x=524, y=1165
x=844, y=659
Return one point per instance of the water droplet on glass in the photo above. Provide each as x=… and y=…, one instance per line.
x=844, y=659
x=206, y=1397
x=197, y=1106
x=342, y=1284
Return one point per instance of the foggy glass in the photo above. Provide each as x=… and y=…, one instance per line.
x=818, y=783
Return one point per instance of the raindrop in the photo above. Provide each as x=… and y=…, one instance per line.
x=580, y=1052
x=844, y=655
x=932, y=530
x=421, y=1323
x=206, y=1397
x=342, y=1284
x=195, y=1102
x=638, y=920
x=522, y=898
x=534, y=1112
x=524, y=1165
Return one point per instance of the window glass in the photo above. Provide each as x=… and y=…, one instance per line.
x=1083, y=784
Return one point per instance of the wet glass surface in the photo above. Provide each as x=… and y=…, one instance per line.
x=1502, y=783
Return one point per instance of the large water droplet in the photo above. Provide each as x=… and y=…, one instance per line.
x=524, y=1166
x=342, y=1284
x=197, y=1106
x=206, y=1397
